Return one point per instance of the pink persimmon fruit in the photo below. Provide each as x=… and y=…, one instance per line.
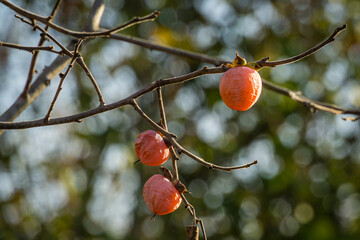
x=160, y=195
x=151, y=149
x=240, y=88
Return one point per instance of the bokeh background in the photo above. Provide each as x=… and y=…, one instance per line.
x=78, y=181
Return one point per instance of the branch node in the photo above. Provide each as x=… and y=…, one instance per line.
x=33, y=24
x=46, y=119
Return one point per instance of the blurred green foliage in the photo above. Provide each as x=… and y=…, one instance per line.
x=78, y=181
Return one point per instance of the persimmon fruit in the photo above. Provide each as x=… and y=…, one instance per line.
x=240, y=88
x=151, y=149
x=160, y=195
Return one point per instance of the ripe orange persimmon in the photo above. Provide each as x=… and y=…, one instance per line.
x=151, y=149
x=240, y=88
x=160, y=195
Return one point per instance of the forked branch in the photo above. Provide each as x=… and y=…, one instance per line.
x=62, y=79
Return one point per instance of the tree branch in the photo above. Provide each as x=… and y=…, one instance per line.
x=76, y=34
x=264, y=62
x=36, y=54
x=79, y=59
x=173, y=154
x=44, y=79
x=174, y=51
x=104, y=108
x=179, y=148
x=63, y=76
x=28, y=48
x=312, y=104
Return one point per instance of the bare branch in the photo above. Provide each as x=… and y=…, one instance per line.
x=81, y=62
x=210, y=165
x=312, y=104
x=174, y=51
x=79, y=59
x=173, y=154
x=43, y=80
x=63, y=76
x=150, y=121
x=265, y=63
x=28, y=48
x=132, y=22
x=45, y=34
x=126, y=101
x=179, y=148
x=76, y=34
x=161, y=108
x=36, y=54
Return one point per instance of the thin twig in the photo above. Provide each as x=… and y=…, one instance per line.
x=79, y=59
x=81, y=62
x=63, y=76
x=174, y=51
x=161, y=108
x=216, y=61
x=265, y=63
x=192, y=212
x=29, y=48
x=170, y=137
x=44, y=78
x=174, y=159
x=36, y=54
x=211, y=165
x=45, y=34
x=312, y=104
x=173, y=154
x=133, y=21
x=151, y=122
x=76, y=34
x=202, y=228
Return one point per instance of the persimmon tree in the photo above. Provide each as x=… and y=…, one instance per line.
x=73, y=55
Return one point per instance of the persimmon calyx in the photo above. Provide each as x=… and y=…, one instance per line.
x=238, y=61
x=254, y=65
x=241, y=62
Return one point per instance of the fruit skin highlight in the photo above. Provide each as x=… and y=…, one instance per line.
x=151, y=149
x=240, y=88
x=160, y=195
